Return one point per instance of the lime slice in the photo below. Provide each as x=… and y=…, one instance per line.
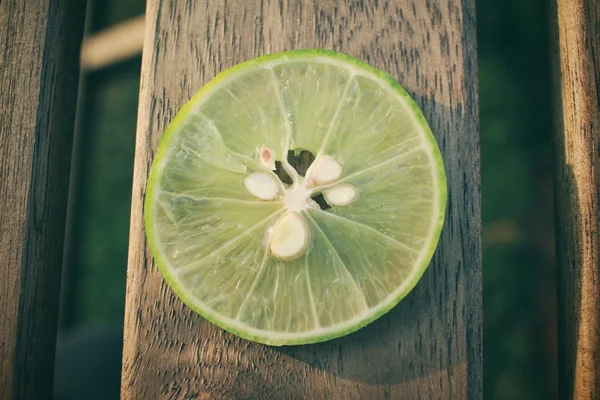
x=261, y=258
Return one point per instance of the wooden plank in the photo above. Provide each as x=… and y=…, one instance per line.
x=578, y=197
x=39, y=53
x=429, y=347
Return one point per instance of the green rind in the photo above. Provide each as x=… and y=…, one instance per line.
x=168, y=137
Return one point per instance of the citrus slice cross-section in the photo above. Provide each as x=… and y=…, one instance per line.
x=261, y=258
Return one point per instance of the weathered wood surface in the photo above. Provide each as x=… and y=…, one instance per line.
x=429, y=347
x=578, y=197
x=39, y=59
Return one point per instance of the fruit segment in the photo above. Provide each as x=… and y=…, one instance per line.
x=311, y=95
x=279, y=301
x=377, y=263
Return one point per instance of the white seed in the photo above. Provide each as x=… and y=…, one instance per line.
x=341, y=195
x=325, y=170
x=262, y=185
x=290, y=237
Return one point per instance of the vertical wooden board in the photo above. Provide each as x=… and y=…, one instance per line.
x=39, y=62
x=578, y=197
x=429, y=346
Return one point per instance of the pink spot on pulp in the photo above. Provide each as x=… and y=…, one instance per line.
x=266, y=155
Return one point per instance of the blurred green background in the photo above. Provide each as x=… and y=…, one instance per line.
x=516, y=152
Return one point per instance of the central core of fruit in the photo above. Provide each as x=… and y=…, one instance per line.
x=288, y=237
x=297, y=197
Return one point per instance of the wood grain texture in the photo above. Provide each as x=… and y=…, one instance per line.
x=429, y=347
x=39, y=53
x=578, y=197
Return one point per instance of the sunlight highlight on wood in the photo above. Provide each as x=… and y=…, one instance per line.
x=114, y=44
x=578, y=198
